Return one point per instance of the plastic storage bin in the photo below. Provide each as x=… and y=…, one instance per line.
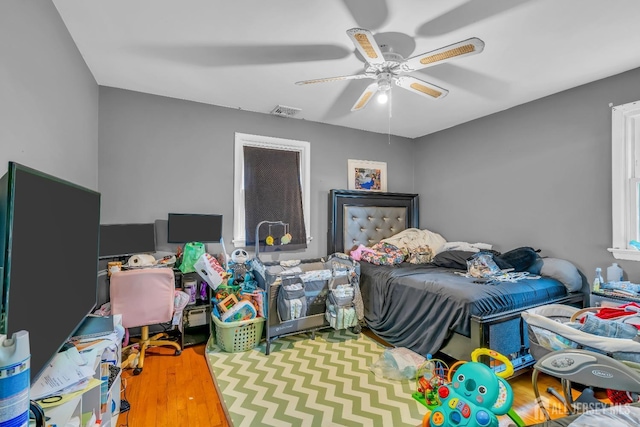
x=235, y=337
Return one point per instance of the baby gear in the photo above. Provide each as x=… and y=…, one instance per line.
x=473, y=395
x=343, y=300
x=291, y=299
x=301, y=292
x=587, y=368
x=549, y=330
x=565, y=351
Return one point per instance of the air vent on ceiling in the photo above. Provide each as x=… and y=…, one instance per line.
x=284, y=111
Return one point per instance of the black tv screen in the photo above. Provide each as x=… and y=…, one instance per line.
x=49, y=253
x=184, y=228
x=126, y=239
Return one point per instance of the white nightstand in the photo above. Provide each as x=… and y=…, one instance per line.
x=603, y=299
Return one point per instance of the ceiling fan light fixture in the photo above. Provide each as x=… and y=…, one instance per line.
x=384, y=86
x=461, y=50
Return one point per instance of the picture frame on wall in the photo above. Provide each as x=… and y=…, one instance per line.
x=367, y=175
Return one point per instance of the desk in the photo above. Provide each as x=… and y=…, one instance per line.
x=100, y=397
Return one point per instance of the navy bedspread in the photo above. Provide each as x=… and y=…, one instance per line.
x=420, y=306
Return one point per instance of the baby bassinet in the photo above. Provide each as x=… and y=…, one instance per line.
x=548, y=331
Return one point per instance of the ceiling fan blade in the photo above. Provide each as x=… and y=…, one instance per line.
x=333, y=79
x=461, y=49
x=366, y=45
x=365, y=97
x=421, y=87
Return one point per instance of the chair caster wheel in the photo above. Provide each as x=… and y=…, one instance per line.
x=137, y=371
x=356, y=329
x=178, y=352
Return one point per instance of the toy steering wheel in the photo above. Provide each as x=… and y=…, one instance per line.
x=508, y=371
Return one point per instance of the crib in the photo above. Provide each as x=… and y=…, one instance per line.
x=321, y=279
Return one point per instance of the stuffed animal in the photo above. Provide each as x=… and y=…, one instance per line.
x=239, y=256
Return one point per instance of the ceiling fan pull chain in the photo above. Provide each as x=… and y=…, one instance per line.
x=389, y=119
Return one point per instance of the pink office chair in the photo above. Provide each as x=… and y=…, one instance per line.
x=144, y=297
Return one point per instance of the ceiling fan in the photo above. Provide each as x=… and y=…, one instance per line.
x=387, y=67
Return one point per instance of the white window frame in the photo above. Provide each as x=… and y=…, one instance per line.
x=625, y=178
x=302, y=147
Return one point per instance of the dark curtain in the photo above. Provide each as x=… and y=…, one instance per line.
x=272, y=192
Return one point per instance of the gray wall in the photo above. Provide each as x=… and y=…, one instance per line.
x=48, y=97
x=159, y=155
x=535, y=175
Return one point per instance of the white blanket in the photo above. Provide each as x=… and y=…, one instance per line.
x=412, y=238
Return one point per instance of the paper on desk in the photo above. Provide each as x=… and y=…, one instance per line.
x=111, y=337
x=98, y=351
x=65, y=370
x=66, y=397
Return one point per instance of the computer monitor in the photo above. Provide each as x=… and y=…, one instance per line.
x=184, y=228
x=48, y=259
x=119, y=240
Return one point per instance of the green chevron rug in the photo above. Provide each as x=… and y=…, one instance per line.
x=324, y=382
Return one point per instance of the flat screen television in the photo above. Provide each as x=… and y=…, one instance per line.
x=49, y=258
x=118, y=240
x=184, y=228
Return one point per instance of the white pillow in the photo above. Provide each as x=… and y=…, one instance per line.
x=563, y=271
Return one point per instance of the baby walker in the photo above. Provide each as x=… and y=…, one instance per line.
x=467, y=393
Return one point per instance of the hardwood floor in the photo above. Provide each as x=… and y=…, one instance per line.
x=176, y=391
x=172, y=391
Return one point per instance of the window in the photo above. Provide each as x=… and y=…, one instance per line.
x=625, y=160
x=298, y=163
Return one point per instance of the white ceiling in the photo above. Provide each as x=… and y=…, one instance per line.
x=249, y=54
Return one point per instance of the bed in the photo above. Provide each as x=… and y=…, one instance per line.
x=428, y=308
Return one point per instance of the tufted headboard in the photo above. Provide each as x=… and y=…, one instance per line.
x=365, y=217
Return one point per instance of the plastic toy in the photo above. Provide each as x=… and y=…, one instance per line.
x=473, y=396
x=243, y=310
x=227, y=303
x=432, y=374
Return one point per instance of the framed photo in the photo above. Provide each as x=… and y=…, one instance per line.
x=367, y=175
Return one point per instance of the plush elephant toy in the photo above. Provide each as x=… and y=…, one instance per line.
x=474, y=398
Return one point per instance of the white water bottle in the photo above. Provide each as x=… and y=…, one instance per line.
x=614, y=273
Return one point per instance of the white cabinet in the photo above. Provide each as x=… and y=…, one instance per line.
x=84, y=406
x=602, y=299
